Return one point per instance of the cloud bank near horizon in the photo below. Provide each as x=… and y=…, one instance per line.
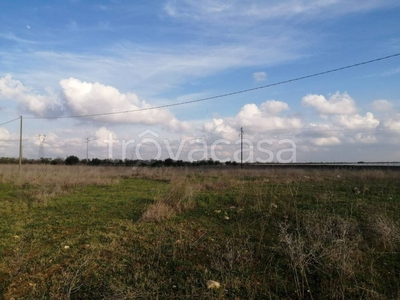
x=338, y=123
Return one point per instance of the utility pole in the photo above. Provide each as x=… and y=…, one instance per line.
x=241, y=147
x=87, y=150
x=20, y=146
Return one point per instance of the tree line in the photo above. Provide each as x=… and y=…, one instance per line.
x=74, y=160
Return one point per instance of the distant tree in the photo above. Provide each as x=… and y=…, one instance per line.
x=44, y=160
x=72, y=160
x=8, y=160
x=95, y=162
x=57, y=161
x=168, y=162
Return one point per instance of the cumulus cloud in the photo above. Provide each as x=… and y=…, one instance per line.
x=342, y=129
x=259, y=76
x=177, y=126
x=264, y=118
x=273, y=107
x=256, y=120
x=392, y=124
x=356, y=121
x=11, y=89
x=343, y=123
x=84, y=98
x=337, y=104
x=381, y=105
x=220, y=128
x=103, y=135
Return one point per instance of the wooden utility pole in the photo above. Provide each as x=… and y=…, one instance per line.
x=20, y=146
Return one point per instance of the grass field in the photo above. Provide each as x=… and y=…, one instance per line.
x=77, y=232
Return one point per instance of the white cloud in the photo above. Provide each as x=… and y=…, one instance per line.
x=220, y=10
x=177, y=126
x=273, y=107
x=248, y=112
x=337, y=104
x=255, y=120
x=220, y=128
x=195, y=9
x=261, y=120
x=356, y=121
x=382, y=105
x=103, y=135
x=392, y=124
x=259, y=76
x=37, y=104
x=83, y=98
x=325, y=141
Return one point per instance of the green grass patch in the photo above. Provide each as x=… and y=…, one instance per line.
x=164, y=234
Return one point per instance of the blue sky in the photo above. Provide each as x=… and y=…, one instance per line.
x=60, y=58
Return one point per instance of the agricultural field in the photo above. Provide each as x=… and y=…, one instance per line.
x=80, y=232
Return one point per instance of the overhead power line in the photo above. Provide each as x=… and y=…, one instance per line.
x=9, y=121
x=222, y=95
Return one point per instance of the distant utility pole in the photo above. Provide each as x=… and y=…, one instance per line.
x=87, y=149
x=241, y=147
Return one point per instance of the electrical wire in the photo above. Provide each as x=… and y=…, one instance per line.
x=9, y=121
x=222, y=95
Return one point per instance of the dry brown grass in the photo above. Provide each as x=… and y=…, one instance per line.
x=158, y=212
x=86, y=175
x=327, y=243
x=177, y=198
x=61, y=175
x=39, y=183
x=387, y=232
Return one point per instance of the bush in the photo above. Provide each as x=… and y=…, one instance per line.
x=72, y=160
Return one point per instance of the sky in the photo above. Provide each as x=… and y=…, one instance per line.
x=66, y=58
